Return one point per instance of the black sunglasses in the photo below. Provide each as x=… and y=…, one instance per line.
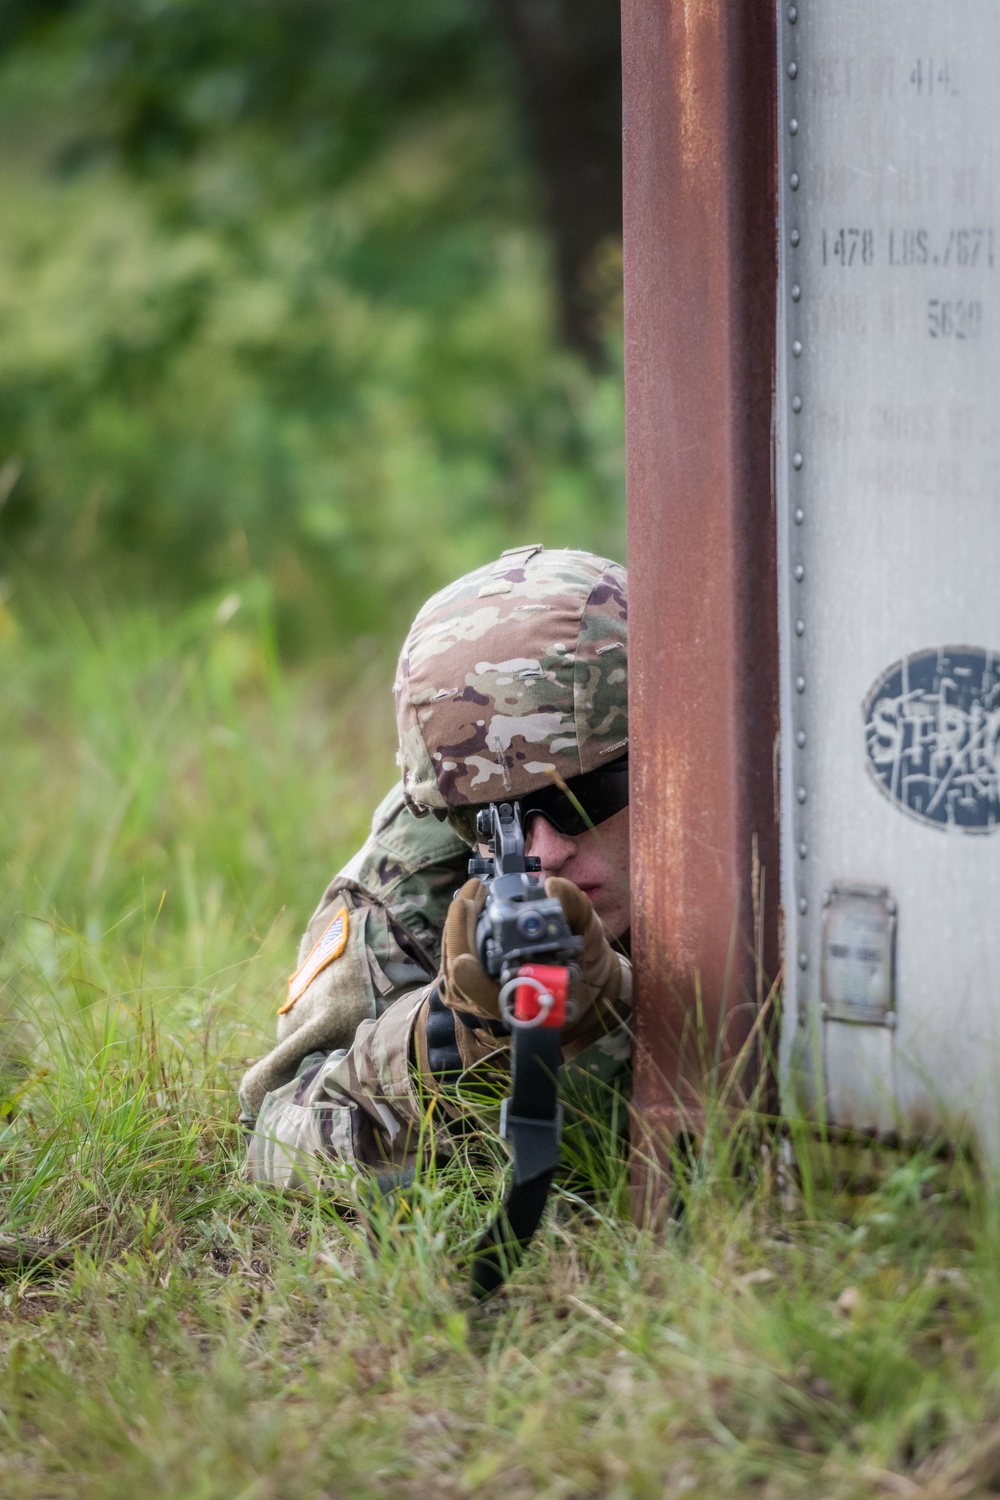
x=586, y=802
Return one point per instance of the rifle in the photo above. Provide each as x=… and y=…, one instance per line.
x=524, y=941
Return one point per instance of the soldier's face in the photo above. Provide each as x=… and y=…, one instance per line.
x=596, y=861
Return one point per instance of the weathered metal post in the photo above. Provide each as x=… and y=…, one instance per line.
x=700, y=299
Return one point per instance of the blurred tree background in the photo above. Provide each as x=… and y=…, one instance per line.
x=313, y=300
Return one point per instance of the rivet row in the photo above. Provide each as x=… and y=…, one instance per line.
x=798, y=513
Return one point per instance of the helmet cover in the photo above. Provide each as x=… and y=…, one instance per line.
x=513, y=675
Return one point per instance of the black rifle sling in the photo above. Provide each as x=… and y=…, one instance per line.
x=531, y=1123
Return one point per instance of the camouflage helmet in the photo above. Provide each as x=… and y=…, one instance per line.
x=513, y=674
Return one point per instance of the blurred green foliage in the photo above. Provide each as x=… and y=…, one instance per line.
x=276, y=311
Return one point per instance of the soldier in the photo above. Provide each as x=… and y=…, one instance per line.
x=512, y=684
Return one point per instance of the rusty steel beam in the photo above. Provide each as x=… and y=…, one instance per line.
x=700, y=296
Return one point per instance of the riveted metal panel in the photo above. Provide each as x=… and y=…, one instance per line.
x=888, y=466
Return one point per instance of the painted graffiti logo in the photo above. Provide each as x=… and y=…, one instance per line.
x=932, y=732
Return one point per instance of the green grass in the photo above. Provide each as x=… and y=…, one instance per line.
x=171, y=807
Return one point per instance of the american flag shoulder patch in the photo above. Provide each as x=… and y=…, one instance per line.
x=330, y=946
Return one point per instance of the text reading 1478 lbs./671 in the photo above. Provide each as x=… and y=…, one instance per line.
x=962, y=248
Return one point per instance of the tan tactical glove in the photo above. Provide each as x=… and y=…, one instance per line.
x=465, y=985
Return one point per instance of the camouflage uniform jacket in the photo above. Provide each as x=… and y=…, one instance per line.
x=363, y=1102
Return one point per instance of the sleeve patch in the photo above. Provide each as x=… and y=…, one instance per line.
x=330, y=946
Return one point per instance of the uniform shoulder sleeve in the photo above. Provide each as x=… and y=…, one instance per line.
x=408, y=866
x=375, y=937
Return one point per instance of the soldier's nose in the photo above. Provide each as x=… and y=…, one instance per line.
x=548, y=844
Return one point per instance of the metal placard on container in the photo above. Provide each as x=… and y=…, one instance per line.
x=859, y=939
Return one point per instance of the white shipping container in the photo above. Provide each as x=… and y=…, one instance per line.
x=888, y=482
